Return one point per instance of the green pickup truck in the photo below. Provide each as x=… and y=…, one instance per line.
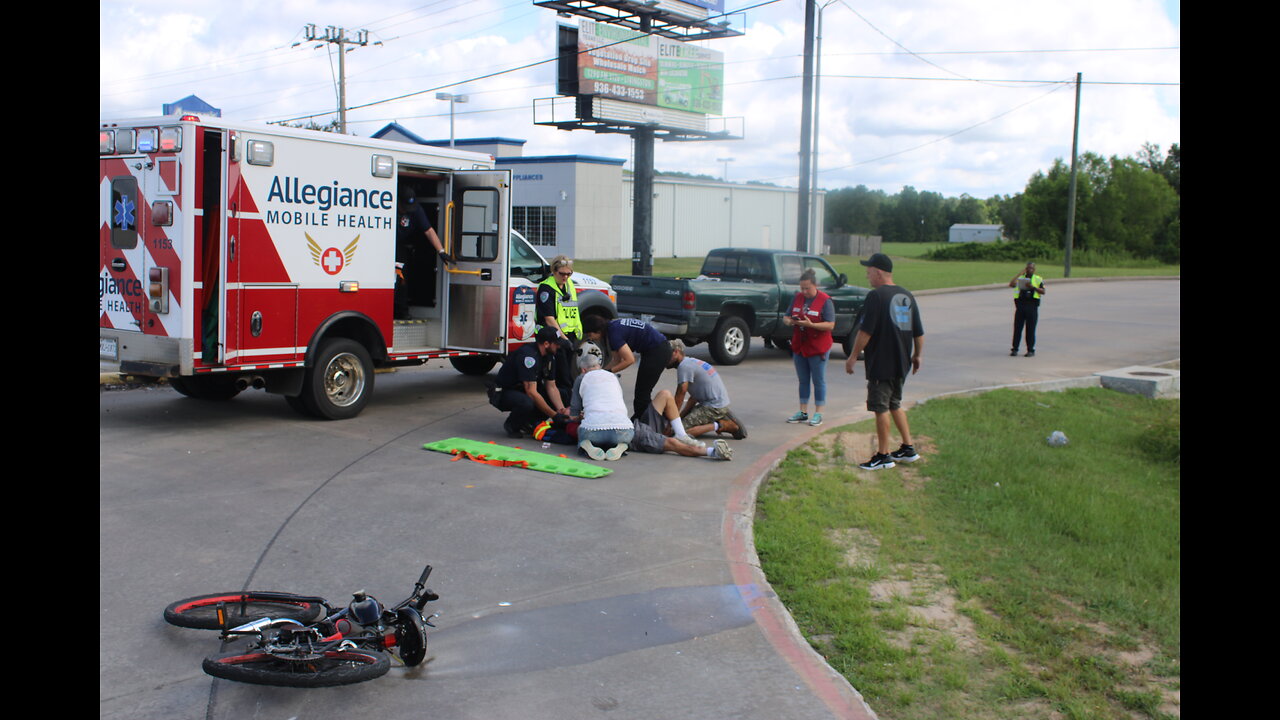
x=740, y=293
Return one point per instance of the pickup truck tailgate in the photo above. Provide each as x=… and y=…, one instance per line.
x=652, y=299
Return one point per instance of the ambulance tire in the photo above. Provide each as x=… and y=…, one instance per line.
x=474, y=364
x=338, y=385
x=206, y=387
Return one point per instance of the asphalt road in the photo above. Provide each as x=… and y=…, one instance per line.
x=630, y=596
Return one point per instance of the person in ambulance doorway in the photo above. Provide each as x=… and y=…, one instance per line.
x=557, y=308
x=417, y=246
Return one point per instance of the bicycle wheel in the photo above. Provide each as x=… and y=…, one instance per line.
x=333, y=667
x=201, y=611
x=411, y=636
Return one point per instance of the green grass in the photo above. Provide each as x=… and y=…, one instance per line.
x=909, y=270
x=999, y=577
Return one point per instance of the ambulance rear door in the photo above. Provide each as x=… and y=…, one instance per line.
x=477, y=226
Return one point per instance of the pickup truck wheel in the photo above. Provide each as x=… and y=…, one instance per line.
x=339, y=384
x=730, y=341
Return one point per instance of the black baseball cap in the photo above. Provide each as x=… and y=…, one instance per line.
x=546, y=334
x=880, y=261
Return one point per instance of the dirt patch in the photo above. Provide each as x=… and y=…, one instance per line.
x=920, y=613
x=846, y=449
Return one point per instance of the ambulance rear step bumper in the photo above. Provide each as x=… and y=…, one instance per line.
x=146, y=369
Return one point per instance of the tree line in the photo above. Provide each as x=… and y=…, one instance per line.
x=1125, y=207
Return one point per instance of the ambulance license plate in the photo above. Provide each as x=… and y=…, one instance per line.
x=109, y=348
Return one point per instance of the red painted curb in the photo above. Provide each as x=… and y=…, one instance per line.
x=841, y=698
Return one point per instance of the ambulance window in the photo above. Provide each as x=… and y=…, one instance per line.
x=479, y=237
x=124, y=213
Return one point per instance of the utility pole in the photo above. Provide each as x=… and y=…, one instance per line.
x=338, y=36
x=806, y=131
x=1071, y=194
x=642, y=190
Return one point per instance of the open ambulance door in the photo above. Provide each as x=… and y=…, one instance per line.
x=477, y=227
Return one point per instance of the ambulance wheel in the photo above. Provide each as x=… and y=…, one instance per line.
x=339, y=384
x=206, y=387
x=474, y=364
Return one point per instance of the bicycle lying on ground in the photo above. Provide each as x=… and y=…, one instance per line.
x=303, y=641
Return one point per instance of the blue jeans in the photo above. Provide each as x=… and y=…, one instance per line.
x=606, y=438
x=812, y=370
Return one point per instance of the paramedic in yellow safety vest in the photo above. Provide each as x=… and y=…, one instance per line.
x=1028, y=287
x=557, y=308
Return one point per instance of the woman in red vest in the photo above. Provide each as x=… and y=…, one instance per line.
x=812, y=318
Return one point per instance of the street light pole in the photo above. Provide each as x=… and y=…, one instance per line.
x=726, y=161
x=452, y=100
x=816, y=220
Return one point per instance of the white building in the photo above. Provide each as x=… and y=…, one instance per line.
x=581, y=205
x=975, y=233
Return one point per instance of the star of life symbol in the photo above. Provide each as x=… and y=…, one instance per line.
x=125, y=212
x=331, y=260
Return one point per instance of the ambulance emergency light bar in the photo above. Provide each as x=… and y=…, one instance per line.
x=141, y=140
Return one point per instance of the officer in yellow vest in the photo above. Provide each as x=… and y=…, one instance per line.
x=557, y=307
x=1028, y=287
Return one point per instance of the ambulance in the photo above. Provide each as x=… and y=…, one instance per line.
x=236, y=255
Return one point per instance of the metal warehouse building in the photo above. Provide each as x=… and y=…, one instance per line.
x=580, y=205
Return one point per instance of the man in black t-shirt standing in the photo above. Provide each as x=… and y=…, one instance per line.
x=893, y=337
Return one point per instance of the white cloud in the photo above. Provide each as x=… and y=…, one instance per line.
x=238, y=56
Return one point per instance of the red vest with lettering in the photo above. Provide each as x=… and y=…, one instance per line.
x=804, y=341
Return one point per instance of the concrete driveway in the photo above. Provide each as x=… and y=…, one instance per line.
x=635, y=595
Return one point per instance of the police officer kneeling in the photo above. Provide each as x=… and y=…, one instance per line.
x=525, y=386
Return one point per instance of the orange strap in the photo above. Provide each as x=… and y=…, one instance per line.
x=459, y=454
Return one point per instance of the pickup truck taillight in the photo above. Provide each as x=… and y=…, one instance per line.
x=689, y=299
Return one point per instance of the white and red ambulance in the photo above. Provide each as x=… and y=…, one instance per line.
x=236, y=255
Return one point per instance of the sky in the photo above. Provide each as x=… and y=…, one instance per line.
x=950, y=96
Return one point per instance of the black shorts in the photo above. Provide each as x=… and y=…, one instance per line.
x=884, y=395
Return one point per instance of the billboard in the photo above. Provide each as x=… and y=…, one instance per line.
x=621, y=64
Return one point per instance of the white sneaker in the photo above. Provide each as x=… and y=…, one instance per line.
x=615, y=452
x=692, y=442
x=593, y=452
x=721, y=450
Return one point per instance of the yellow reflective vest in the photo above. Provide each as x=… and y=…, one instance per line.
x=566, y=308
x=1036, y=281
